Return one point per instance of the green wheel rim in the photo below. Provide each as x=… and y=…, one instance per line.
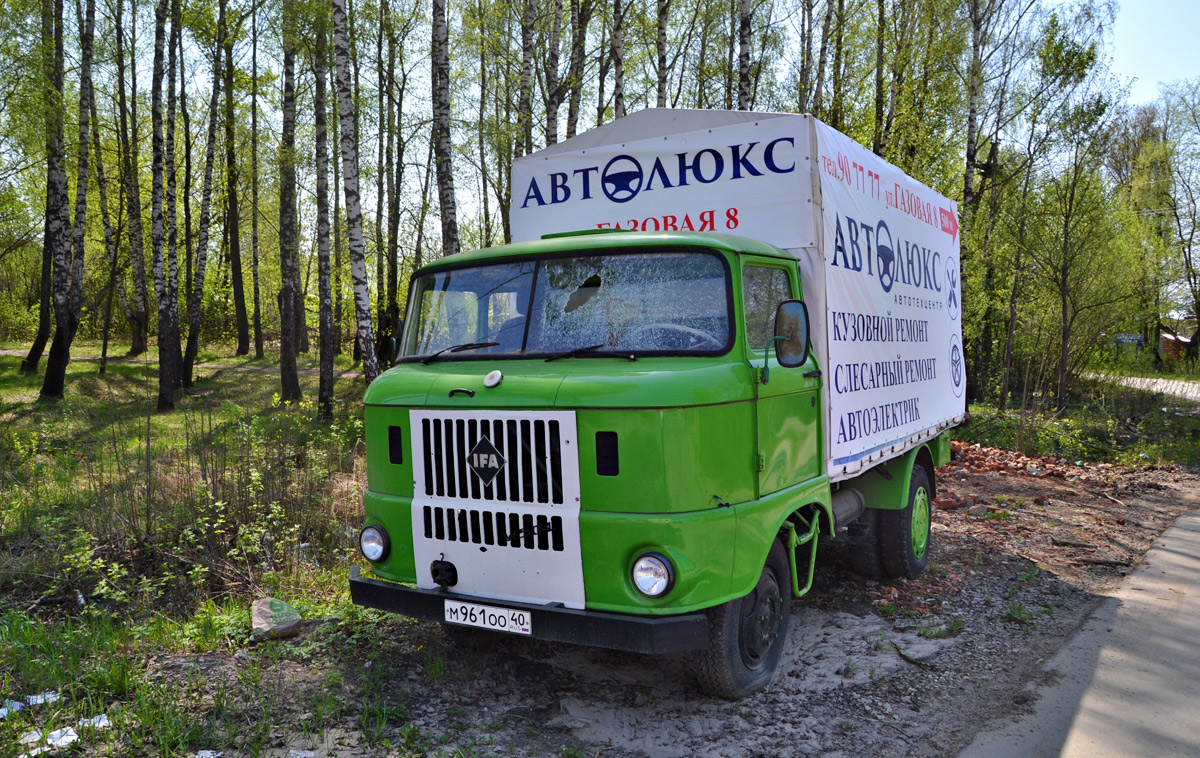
x=920, y=522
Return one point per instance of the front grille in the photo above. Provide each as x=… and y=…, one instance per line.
x=531, y=448
x=494, y=528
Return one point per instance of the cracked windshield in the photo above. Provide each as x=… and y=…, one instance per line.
x=626, y=303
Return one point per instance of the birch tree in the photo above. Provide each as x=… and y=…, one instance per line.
x=68, y=269
x=258, y=336
x=166, y=364
x=349, y=149
x=289, y=234
x=233, y=211
x=441, y=129
x=54, y=237
x=140, y=302
x=197, y=293
x=325, y=296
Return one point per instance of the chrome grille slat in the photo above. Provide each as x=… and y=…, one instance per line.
x=532, y=449
x=476, y=527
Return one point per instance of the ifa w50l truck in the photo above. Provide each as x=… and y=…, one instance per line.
x=721, y=340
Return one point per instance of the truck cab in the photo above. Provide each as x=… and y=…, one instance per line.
x=617, y=439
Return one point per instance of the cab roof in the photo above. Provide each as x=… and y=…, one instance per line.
x=613, y=239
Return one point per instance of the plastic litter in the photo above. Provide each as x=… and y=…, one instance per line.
x=44, y=698
x=209, y=754
x=10, y=706
x=95, y=722
x=30, y=737
x=61, y=737
x=37, y=751
x=301, y=754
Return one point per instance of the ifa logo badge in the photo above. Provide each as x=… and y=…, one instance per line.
x=485, y=461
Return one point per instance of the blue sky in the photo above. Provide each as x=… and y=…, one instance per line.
x=1156, y=41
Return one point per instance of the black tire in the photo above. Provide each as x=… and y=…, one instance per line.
x=904, y=534
x=866, y=558
x=746, y=636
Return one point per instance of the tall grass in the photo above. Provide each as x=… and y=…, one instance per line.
x=234, y=493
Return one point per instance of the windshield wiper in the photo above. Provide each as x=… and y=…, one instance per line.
x=575, y=352
x=457, y=349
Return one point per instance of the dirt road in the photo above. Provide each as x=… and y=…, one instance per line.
x=913, y=668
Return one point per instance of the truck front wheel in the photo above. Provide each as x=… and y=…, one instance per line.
x=904, y=533
x=746, y=636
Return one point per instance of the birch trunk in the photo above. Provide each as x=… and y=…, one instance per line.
x=54, y=233
x=525, y=107
x=324, y=295
x=197, y=294
x=660, y=47
x=258, y=337
x=166, y=367
x=581, y=15
x=187, y=181
x=441, y=129
x=618, y=59
x=349, y=149
x=233, y=211
x=380, y=193
x=288, y=234
x=880, y=30
x=337, y=229
x=744, y=57
x=68, y=253
x=818, y=100
x=554, y=90
x=140, y=302
x=173, y=333
x=974, y=85
x=110, y=243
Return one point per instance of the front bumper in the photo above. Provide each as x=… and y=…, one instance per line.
x=615, y=631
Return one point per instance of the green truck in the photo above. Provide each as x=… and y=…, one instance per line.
x=637, y=439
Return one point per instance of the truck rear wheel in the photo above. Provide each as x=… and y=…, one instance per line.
x=866, y=557
x=746, y=636
x=904, y=533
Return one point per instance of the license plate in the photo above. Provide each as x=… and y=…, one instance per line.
x=488, y=617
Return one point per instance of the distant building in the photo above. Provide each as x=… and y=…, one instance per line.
x=1171, y=347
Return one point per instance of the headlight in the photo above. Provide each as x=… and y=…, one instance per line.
x=373, y=542
x=652, y=575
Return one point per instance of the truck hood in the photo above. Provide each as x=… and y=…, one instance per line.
x=567, y=383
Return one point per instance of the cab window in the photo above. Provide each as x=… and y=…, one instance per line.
x=763, y=289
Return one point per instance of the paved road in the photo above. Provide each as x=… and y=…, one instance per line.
x=1128, y=684
x=1176, y=387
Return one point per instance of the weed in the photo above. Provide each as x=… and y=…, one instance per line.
x=847, y=725
x=1012, y=591
x=876, y=639
x=888, y=609
x=435, y=665
x=937, y=568
x=1018, y=612
x=849, y=669
x=933, y=631
x=957, y=625
x=1030, y=573
x=1002, y=514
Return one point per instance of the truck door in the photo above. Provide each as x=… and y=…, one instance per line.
x=787, y=406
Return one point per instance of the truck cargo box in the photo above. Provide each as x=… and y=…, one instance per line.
x=878, y=250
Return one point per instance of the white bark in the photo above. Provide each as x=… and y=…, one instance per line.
x=197, y=294
x=358, y=265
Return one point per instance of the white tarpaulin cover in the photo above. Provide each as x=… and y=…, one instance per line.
x=878, y=251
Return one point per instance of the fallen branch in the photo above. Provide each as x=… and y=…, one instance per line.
x=1102, y=562
x=1110, y=497
x=1068, y=543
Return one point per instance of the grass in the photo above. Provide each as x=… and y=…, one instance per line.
x=1103, y=422
x=165, y=526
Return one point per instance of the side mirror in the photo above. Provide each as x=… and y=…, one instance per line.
x=791, y=333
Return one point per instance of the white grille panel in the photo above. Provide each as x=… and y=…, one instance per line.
x=515, y=537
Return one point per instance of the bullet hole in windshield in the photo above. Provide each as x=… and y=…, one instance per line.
x=586, y=292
